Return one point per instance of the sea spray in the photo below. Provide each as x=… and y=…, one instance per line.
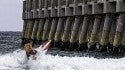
x=18, y=61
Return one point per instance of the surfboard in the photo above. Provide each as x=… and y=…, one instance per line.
x=45, y=46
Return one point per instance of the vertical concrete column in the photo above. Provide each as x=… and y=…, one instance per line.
x=101, y=30
x=105, y=34
x=24, y=6
x=24, y=17
x=27, y=27
x=30, y=8
x=119, y=32
x=35, y=28
x=30, y=28
x=41, y=7
x=46, y=31
x=83, y=34
x=27, y=5
x=46, y=4
x=40, y=4
x=35, y=4
x=112, y=33
x=67, y=33
x=24, y=11
x=53, y=29
x=94, y=35
x=59, y=31
x=24, y=31
x=90, y=29
x=123, y=41
x=75, y=33
x=46, y=11
x=29, y=2
x=40, y=29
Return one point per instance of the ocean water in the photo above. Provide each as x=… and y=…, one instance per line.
x=12, y=57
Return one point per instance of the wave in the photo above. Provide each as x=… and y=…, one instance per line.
x=17, y=61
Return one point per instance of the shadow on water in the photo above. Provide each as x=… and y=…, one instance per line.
x=95, y=54
x=11, y=41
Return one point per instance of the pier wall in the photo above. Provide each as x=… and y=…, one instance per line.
x=76, y=24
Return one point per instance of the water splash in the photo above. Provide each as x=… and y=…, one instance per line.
x=18, y=61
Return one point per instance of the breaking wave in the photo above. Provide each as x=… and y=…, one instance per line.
x=17, y=61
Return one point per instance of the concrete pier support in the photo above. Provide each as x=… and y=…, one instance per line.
x=75, y=33
x=24, y=29
x=123, y=41
x=94, y=35
x=40, y=29
x=101, y=30
x=46, y=31
x=105, y=34
x=83, y=34
x=59, y=32
x=53, y=29
x=89, y=25
x=24, y=32
x=30, y=28
x=112, y=33
x=67, y=32
x=119, y=32
x=35, y=28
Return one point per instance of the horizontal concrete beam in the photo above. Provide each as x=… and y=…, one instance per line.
x=110, y=7
x=120, y=7
x=75, y=9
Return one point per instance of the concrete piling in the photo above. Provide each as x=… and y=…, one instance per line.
x=24, y=32
x=123, y=42
x=59, y=31
x=112, y=33
x=53, y=29
x=30, y=28
x=40, y=29
x=75, y=33
x=46, y=31
x=83, y=34
x=67, y=32
x=89, y=32
x=119, y=32
x=105, y=34
x=35, y=28
x=94, y=35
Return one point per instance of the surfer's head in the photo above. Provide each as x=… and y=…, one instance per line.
x=28, y=47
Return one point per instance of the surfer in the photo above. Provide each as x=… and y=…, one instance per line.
x=31, y=51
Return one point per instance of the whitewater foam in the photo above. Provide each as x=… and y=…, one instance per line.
x=18, y=61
